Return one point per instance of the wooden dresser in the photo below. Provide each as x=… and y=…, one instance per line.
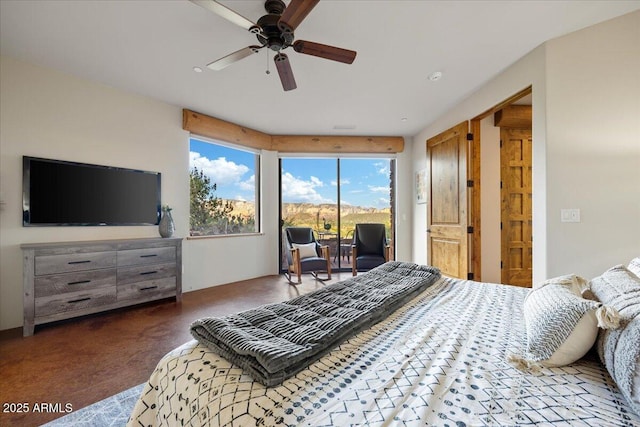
x=69, y=279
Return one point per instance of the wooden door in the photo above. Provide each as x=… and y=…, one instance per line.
x=516, y=212
x=447, y=238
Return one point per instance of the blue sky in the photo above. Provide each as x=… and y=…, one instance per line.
x=365, y=182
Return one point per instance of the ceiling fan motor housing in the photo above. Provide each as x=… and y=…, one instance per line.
x=271, y=35
x=275, y=7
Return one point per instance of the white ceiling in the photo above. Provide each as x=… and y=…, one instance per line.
x=150, y=47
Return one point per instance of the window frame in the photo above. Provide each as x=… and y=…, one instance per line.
x=257, y=171
x=393, y=164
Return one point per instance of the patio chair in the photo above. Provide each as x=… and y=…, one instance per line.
x=305, y=254
x=370, y=248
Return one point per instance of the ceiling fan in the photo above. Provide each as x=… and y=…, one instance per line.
x=275, y=31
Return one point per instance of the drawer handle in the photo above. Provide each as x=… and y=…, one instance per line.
x=79, y=282
x=79, y=300
x=148, y=272
x=79, y=262
x=148, y=288
x=148, y=256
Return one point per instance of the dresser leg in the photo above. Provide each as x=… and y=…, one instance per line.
x=27, y=329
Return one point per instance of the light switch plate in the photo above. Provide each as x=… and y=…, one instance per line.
x=570, y=215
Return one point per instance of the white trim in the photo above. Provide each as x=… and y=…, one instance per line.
x=225, y=144
x=338, y=155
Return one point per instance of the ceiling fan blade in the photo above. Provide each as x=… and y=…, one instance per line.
x=325, y=51
x=226, y=13
x=295, y=13
x=225, y=61
x=284, y=71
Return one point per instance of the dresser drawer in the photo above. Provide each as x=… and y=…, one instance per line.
x=148, y=289
x=146, y=256
x=67, y=263
x=145, y=272
x=72, y=301
x=54, y=284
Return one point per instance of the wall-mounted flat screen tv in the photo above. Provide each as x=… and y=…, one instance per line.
x=56, y=192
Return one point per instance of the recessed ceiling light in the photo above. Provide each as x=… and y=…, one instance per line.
x=436, y=75
x=404, y=119
x=197, y=69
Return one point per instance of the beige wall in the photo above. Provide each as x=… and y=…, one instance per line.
x=593, y=146
x=586, y=154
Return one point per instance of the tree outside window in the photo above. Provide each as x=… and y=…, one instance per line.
x=223, y=189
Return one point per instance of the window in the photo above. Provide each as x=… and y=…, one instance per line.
x=224, y=184
x=332, y=195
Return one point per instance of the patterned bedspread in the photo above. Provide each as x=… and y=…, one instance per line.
x=440, y=360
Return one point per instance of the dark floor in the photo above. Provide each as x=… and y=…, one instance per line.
x=78, y=362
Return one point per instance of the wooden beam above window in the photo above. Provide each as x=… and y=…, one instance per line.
x=203, y=125
x=211, y=127
x=336, y=144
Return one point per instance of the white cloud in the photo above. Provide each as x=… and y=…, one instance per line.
x=343, y=181
x=296, y=190
x=378, y=189
x=316, y=181
x=249, y=184
x=220, y=170
x=382, y=168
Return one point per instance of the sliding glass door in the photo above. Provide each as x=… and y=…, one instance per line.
x=331, y=195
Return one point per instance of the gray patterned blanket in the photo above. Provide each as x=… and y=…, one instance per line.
x=276, y=341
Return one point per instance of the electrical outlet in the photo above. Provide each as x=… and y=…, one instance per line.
x=570, y=215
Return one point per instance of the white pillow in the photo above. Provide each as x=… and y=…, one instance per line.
x=307, y=250
x=577, y=344
x=561, y=325
x=619, y=349
x=634, y=266
x=578, y=285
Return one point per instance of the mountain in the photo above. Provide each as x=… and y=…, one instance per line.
x=326, y=210
x=317, y=215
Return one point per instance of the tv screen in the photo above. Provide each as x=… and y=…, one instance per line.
x=56, y=192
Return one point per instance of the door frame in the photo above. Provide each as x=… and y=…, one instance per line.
x=475, y=259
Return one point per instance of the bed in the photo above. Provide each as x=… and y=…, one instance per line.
x=440, y=359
